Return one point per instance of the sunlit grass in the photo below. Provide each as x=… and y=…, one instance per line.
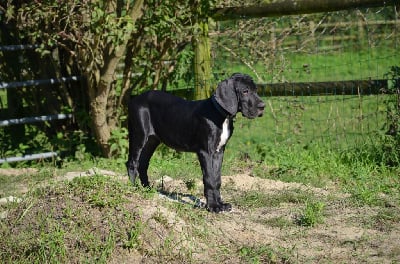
x=342, y=65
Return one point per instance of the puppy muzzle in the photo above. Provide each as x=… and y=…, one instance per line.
x=260, y=109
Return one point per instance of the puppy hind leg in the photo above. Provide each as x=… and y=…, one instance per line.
x=136, y=144
x=145, y=156
x=132, y=165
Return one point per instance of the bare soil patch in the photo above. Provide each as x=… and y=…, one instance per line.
x=348, y=234
x=16, y=172
x=174, y=229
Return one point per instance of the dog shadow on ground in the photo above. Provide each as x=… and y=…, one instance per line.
x=167, y=188
x=183, y=198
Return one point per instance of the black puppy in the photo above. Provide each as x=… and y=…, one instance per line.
x=203, y=127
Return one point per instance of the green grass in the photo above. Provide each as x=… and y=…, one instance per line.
x=363, y=176
x=312, y=214
x=322, y=141
x=3, y=97
x=334, y=121
x=13, y=184
x=264, y=254
x=314, y=140
x=100, y=191
x=326, y=140
x=72, y=222
x=345, y=64
x=258, y=199
x=90, y=219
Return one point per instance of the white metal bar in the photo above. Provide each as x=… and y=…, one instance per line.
x=18, y=47
x=4, y=85
x=34, y=119
x=44, y=155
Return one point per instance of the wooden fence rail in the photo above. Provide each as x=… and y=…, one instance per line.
x=293, y=7
x=358, y=87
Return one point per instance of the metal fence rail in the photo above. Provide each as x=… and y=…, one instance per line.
x=19, y=47
x=33, y=119
x=44, y=155
x=29, y=120
x=4, y=85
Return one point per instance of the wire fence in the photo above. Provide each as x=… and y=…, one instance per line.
x=324, y=76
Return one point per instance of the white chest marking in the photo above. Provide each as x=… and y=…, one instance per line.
x=224, y=135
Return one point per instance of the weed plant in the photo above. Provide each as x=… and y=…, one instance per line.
x=312, y=214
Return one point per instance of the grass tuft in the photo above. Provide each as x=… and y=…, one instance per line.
x=312, y=214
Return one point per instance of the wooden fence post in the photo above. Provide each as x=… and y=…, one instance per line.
x=202, y=62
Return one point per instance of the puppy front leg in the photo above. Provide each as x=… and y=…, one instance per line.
x=211, y=164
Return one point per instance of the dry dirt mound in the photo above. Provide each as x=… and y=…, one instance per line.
x=15, y=172
x=262, y=228
x=348, y=233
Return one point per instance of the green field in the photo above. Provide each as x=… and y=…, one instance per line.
x=346, y=64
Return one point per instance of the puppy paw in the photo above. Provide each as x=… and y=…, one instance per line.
x=227, y=207
x=132, y=176
x=218, y=208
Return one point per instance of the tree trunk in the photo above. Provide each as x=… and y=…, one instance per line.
x=101, y=89
x=98, y=93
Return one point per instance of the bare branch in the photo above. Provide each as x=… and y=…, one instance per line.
x=248, y=64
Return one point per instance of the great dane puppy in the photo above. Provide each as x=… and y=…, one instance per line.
x=203, y=127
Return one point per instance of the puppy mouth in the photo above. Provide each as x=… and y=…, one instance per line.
x=260, y=111
x=257, y=113
x=254, y=112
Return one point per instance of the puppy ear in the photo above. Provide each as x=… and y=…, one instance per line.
x=226, y=97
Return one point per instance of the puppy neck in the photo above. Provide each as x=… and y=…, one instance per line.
x=219, y=108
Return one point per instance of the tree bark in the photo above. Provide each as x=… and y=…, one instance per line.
x=101, y=84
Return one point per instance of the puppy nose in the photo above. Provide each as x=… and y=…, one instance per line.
x=261, y=105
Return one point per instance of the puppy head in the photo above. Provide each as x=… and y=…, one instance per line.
x=239, y=94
